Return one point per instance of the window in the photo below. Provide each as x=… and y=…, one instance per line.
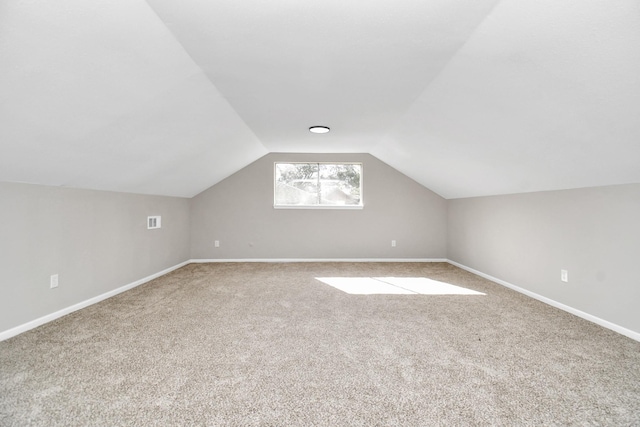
x=318, y=185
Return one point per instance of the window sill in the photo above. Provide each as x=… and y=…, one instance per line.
x=335, y=207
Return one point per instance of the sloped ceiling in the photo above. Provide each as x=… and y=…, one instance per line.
x=469, y=98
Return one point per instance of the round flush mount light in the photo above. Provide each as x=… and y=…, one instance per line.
x=319, y=129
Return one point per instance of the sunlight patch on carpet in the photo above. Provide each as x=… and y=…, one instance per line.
x=395, y=286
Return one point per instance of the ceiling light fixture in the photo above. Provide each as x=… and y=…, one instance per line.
x=319, y=129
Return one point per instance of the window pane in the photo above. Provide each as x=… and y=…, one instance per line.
x=340, y=184
x=296, y=184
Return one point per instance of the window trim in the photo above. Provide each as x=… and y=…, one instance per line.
x=334, y=207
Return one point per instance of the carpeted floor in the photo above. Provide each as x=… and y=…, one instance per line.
x=254, y=344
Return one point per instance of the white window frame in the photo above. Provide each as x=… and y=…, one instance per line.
x=338, y=207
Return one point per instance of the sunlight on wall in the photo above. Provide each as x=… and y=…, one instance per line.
x=395, y=285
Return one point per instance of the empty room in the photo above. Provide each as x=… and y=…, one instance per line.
x=319, y=213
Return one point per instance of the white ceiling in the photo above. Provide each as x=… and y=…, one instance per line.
x=468, y=98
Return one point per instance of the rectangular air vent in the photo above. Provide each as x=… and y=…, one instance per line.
x=154, y=222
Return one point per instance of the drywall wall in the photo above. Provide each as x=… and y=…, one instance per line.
x=239, y=213
x=526, y=239
x=96, y=242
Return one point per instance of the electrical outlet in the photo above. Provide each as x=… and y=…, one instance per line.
x=53, y=281
x=216, y=243
x=154, y=222
x=393, y=243
x=564, y=275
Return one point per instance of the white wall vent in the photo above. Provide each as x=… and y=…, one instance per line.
x=154, y=222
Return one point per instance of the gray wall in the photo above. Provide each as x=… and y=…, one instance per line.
x=96, y=241
x=239, y=213
x=526, y=239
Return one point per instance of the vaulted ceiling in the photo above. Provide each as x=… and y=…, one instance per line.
x=469, y=98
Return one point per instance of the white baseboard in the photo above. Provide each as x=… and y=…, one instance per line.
x=53, y=316
x=322, y=260
x=604, y=323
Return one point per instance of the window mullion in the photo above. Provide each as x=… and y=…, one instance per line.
x=318, y=186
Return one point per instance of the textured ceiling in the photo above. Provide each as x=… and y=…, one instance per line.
x=468, y=98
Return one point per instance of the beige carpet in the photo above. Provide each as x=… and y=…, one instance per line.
x=258, y=344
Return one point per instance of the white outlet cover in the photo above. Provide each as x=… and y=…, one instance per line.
x=53, y=281
x=564, y=275
x=154, y=222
